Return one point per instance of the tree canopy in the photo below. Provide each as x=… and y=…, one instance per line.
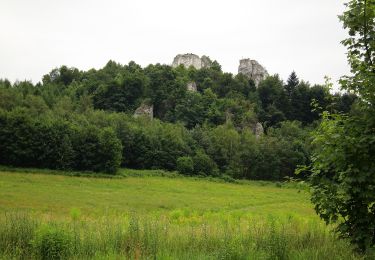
x=343, y=161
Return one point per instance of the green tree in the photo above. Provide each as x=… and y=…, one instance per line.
x=343, y=167
x=185, y=165
x=224, y=142
x=62, y=75
x=110, y=152
x=203, y=164
x=292, y=83
x=121, y=94
x=301, y=103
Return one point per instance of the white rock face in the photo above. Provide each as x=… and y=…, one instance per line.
x=253, y=70
x=192, y=86
x=190, y=59
x=144, y=110
x=258, y=130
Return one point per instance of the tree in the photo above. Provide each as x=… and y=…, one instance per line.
x=301, y=103
x=359, y=20
x=203, y=164
x=122, y=93
x=343, y=164
x=224, y=142
x=63, y=75
x=110, y=152
x=165, y=88
x=185, y=165
x=191, y=110
x=292, y=83
x=275, y=103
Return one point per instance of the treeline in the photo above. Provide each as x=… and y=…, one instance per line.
x=83, y=121
x=56, y=144
x=102, y=141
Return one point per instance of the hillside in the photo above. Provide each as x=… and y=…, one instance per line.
x=189, y=117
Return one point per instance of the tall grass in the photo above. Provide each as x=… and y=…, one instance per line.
x=177, y=235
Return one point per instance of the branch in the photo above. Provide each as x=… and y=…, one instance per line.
x=365, y=31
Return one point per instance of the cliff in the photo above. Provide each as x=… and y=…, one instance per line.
x=253, y=70
x=190, y=59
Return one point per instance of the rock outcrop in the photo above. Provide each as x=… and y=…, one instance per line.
x=191, y=86
x=258, y=130
x=253, y=70
x=190, y=59
x=144, y=110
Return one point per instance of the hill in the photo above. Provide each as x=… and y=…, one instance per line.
x=196, y=120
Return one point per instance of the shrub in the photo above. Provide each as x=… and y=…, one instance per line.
x=185, y=165
x=203, y=164
x=110, y=150
x=97, y=150
x=51, y=242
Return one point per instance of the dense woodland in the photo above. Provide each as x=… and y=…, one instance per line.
x=83, y=120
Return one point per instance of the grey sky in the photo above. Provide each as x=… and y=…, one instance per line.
x=283, y=35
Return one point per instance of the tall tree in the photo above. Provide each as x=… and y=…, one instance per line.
x=343, y=168
x=292, y=83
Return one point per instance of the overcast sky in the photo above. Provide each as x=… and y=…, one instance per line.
x=283, y=35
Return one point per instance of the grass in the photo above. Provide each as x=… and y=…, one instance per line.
x=56, y=195
x=145, y=216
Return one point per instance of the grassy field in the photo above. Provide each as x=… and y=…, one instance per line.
x=47, y=216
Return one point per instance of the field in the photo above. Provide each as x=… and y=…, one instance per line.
x=147, y=216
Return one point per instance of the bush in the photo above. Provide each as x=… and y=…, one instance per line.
x=185, y=165
x=204, y=165
x=110, y=150
x=52, y=243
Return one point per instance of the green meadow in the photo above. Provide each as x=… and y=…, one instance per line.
x=144, y=215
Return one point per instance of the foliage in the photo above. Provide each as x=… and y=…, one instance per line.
x=185, y=165
x=204, y=165
x=82, y=120
x=343, y=176
x=56, y=144
x=51, y=242
x=359, y=20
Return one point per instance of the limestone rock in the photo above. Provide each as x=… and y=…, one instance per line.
x=258, y=130
x=206, y=62
x=253, y=70
x=144, y=110
x=192, y=86
x=190, y=59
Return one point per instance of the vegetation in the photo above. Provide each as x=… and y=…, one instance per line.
x=343, y=165
x=157, y=217
x=82, y=120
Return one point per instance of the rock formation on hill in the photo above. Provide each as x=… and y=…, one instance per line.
x=253, y=70
x=144, y=110
x=258, y=130
x=190, y=59
x=191, y=86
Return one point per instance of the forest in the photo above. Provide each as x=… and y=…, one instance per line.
x=84, y=120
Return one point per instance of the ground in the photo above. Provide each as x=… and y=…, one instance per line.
x=57, y=194
x=153, y=214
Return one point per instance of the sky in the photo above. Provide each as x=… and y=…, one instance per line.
x=282, y=35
